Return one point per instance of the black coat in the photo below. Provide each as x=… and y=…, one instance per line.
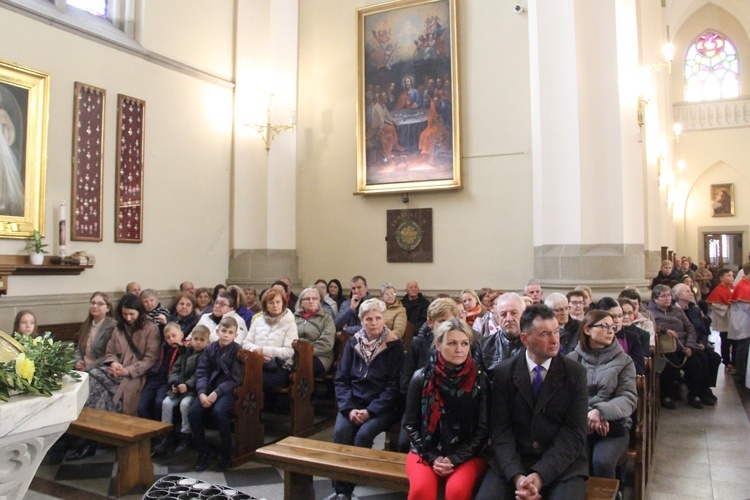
x=463, y=430
x=416, y=310
x=548, y=437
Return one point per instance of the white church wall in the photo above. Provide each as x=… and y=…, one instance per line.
x=482, y=233
x=187, y=170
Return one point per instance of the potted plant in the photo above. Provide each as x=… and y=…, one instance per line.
x=36, y=256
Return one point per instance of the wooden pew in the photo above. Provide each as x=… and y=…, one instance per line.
x=301, y=459
x=132, y=437
x=67, y=332
x=249, y=432
x=638, y=448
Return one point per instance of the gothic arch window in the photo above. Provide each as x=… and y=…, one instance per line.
x=711, y=68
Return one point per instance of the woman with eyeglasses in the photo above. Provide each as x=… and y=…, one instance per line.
x=224, y=306
x=95, y=333
x=610, y=375
x=629, y=340
x=316, y=326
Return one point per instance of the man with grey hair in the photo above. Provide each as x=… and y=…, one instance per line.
x=134, y=288
x=568, y=326
x=533, y=290
x=505, y=342
x=187, y=286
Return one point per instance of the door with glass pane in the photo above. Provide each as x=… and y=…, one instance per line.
x=723, y=249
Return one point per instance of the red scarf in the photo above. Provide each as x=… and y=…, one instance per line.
x=472, y=315
x=458, y=380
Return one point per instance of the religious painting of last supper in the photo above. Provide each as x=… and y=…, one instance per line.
x=408, y=134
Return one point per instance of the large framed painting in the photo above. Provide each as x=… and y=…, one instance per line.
x=24, y=109
x=88, y=155
x=408, y=129
x=722, y=200
x=131, y=120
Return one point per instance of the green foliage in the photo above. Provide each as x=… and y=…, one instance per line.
x=52, y=361
x=37, y=246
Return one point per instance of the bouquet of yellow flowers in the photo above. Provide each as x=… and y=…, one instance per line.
x=39, y=369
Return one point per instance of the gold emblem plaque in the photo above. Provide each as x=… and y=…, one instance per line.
x=409, y=235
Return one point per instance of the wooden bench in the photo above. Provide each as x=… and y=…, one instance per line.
x=67, y=332
x=301, y=459
x=132, y=437
x=249, y=432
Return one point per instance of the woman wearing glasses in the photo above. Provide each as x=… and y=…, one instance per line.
x=610, y=375
x=224, y=306
x=316, y=326
x=95, y=333
x=628, y=340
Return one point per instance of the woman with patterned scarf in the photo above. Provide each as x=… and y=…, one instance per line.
x=366, y=383
x=446, y=418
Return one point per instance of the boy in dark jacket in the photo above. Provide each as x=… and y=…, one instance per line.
x=181, y=384
x=156, y=386
x=219, y=372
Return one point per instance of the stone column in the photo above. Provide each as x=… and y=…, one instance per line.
x=263, y=243
x=586, y=151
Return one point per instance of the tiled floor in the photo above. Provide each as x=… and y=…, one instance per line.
x=704, y=453
x=699, y=454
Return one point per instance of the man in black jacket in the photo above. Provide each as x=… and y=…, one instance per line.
x=416, y=305
x=539, y=404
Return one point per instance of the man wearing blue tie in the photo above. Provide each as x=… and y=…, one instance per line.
x=539, y=403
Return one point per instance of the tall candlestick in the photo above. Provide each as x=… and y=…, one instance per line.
x=61, y=230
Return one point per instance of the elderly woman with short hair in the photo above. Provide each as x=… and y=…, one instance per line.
x=225, y=305
x=315, y=325
x=395, y=312
x=367, y=383
x=673, y=321
x=185, y=312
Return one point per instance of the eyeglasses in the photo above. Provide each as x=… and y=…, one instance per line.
x=576, y=302
x=97, y=303
x=603, y=326
x=309, y=299
x=221, y=304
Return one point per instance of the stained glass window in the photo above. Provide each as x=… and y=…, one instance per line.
x=711, y=69
x=96, y=7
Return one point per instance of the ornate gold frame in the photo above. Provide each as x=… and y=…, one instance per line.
x=29, y=118
x=388, y=30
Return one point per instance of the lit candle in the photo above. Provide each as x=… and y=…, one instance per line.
x=61, y=229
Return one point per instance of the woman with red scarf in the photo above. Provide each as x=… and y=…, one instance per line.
x=446, y=418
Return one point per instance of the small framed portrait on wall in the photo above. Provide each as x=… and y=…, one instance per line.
x=722, y=200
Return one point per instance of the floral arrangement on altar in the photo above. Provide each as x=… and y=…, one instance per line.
x=38, y=368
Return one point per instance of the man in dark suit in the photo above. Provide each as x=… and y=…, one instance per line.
x=538, y=418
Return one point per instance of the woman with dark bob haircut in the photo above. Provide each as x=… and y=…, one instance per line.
x=610, y=375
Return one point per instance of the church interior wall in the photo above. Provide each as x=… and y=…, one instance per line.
x=187, y=165
x=482, y=233
x=712, y=156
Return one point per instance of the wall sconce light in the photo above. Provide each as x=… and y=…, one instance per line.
x=642, y=102
x=677, y=129
x=268, y=131
x=668, y=52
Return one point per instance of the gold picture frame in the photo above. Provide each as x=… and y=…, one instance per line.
x=722, y=200
x=408, y=128
x=24, y=112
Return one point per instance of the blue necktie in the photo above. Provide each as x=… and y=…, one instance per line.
x=536, y=384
